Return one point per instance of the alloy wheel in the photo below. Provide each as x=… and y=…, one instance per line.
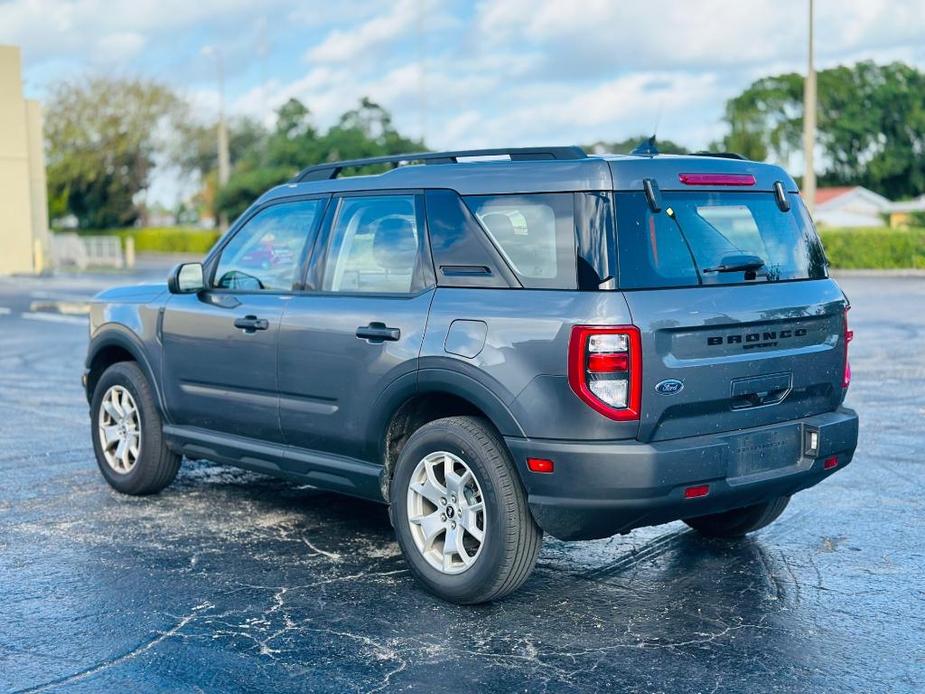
x=119, y=429
x=446, y=512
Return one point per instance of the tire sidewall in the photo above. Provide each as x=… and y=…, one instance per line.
x=445, y=437
x=127, y=375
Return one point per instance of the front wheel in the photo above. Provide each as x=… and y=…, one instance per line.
x=127, y=435
x=739, y=521
x=460, y=512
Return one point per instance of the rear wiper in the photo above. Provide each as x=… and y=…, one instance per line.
x=737, y=263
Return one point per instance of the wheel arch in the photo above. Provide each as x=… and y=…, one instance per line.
x=437, y=393
x=113, y=344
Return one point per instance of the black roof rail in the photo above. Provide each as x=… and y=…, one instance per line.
x=721, y=155
x=329, y=170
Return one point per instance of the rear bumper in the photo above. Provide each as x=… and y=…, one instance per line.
x=600, y=489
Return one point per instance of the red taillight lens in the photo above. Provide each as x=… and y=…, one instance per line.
x=830, y=463
x=849, y=336
x=697, y=491
x=606, y=363
x=694, y=179
x=605, y=369
x=540, y=465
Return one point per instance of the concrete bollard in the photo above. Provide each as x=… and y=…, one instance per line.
x=129, y=252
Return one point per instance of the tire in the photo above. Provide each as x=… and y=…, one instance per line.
x=153, y=466
x=739, y=521
x=506, y=554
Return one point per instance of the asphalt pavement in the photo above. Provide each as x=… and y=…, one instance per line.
x=233, y=581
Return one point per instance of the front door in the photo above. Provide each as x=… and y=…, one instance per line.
x=220, y=345
x=360, y=330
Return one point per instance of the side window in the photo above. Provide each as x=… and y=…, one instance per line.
x=535, y=234
x=375, y=246
x=265, y=253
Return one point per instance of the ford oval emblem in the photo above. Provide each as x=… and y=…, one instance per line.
x=670, y=386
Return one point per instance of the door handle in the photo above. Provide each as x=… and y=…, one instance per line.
x=251, y=324
x=378, y=332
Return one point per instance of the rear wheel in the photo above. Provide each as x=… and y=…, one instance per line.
x=460, y=513
x=127, y=434
x=739, y=521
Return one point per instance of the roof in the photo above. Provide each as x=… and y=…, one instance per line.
x=823, y=195
x=842, y=196
x=916, y=205
x=603, y=172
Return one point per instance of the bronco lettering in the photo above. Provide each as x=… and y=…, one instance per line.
x=750, y=338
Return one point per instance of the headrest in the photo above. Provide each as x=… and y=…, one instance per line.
x=394, y=245
x=499, y=225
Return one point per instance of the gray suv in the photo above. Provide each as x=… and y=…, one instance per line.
x=497, y=344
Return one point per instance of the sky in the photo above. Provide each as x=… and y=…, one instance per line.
x=464, y=74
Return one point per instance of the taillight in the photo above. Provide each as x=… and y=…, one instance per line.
x=849, y=336
x=605, y=369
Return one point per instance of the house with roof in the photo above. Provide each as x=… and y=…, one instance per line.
x=850, y=206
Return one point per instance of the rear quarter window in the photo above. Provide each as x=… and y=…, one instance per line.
x=535, y=234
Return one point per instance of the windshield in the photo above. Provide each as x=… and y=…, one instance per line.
x=715, y=238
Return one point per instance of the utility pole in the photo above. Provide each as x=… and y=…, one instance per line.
x=224, y=157
x=809, y=124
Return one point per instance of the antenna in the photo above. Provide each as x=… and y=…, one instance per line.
x=646, y=148
x=658, y=116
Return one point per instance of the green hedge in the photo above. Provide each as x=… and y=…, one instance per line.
x=171, y=239
x=874, y=248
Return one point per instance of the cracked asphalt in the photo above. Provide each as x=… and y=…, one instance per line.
x=234, y=581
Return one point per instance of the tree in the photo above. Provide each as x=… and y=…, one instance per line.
x=195, y=146
x=101, y=138
x=295, y=143
x=871, y=125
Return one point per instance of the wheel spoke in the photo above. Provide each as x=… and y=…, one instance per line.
x=453, y=544
x=111, y=410
x=469, y=521
x=110, y=435
x=431, y=526
x=121, y=450
x=126, y=404
x=126, y=451
x=430, y=491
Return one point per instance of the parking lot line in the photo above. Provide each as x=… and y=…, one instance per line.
x=4, y=311
x=55, y=318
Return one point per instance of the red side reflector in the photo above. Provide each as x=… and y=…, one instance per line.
x=608, y=363
x=540, y=465
x=693, y=179
x=698, y=491
x=830, y=463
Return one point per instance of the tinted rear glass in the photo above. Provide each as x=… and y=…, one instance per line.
x=535, y=235
x=697, y=232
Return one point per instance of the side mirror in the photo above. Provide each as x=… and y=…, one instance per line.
x=186, y=278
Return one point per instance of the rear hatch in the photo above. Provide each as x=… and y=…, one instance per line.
x=741, y=326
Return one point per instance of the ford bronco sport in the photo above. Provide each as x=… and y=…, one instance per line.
x=497, y=344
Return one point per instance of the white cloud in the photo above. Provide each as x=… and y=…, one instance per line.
x=366, y=39
x=118, y=47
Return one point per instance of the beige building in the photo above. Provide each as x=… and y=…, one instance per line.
x=23, y=197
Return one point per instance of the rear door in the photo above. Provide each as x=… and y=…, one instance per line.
x=725, y=348
x=358, y=327
x=220, y=344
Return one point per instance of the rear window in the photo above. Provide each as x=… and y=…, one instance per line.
x=534, y=233
x=696, y=233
